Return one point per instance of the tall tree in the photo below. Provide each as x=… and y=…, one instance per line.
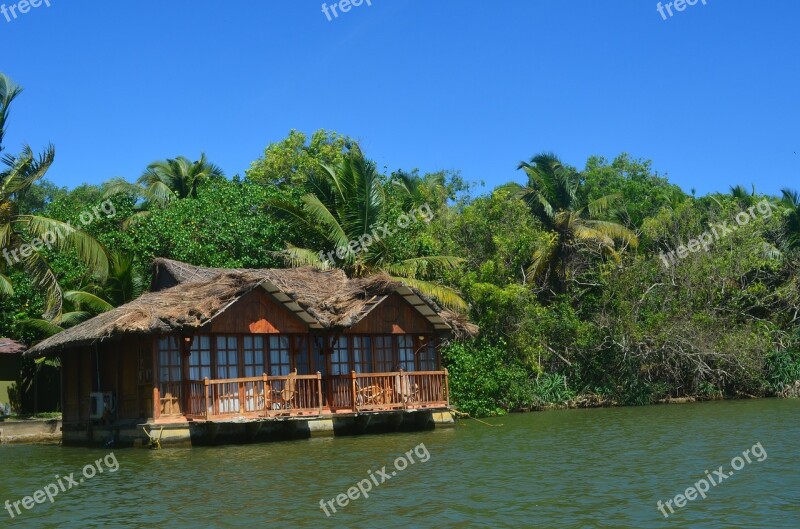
x=165, y=181
x=295, y=159
x=791, y=199
x=554, y=196
x=24, y=237
x=347, y=207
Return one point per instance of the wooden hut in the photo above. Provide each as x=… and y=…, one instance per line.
x=212, y=345
x=10, y=365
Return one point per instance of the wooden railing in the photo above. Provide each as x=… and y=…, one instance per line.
x=295, y=395
x=401, y=390
x=262, y=396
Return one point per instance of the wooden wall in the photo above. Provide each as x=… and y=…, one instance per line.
x=118, y=366
x=258, y=313
x=394, y=316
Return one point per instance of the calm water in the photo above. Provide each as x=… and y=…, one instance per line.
x=570, y=469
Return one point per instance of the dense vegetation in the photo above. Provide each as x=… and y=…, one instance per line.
x=600, y=285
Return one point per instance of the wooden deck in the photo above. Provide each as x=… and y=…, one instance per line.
x=302, y=396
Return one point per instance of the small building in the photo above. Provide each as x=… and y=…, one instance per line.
x=10, y=366
x=214, y=355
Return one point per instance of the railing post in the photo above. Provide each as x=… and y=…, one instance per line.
x=267, y=395
x=403, y=390
x=319, y=391
x=354, y=405
x=447, y=386
x=242, y=402
x=205, y=387
x=156, y=403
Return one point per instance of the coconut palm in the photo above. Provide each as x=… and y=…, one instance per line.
x=744, y=197
x=553, y=194
x=791, y=199
x=123, y=285
x=22, y=235
x=165, y=181
x=348, y=203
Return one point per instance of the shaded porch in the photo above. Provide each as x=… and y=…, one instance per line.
x=295, y=395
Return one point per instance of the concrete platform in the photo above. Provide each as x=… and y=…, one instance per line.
x=31, y=431
x=243, y=431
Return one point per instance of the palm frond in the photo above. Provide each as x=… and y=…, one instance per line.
x=85, y=299
x=71, y=319
x=42, y=275
x=65, y=237
x=613, y=230
x=298, y=257
x=600, y=205
x=6, y=288
x=40, y=327
x=120, y=186
x=325, y=221
x=447, y=296
x=420, y=267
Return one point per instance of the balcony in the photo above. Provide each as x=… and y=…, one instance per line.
x=268, y=397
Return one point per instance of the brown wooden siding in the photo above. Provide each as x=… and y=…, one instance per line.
x=258, y=313
x=394, y=316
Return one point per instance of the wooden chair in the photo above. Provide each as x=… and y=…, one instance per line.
x=288, y=393
x=369, y=395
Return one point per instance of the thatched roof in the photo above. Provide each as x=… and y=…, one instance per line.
x=186, y=297
x=10, y=347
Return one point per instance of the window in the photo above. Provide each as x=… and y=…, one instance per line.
x=200, y=359
x=362, y=354
x=427, y=356
x=301, y=361
x=254, y=365
x=384, y=355
x=405, y=350
x=169, y=360
x=227, y=357
x=279, y=358
x=340, y=361
x=318, y=352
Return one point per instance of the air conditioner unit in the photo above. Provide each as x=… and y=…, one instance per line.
x=99, y=403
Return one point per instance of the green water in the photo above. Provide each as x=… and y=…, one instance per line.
x=569, y=469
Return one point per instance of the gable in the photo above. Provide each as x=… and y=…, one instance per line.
x=257, y=313
x=394, y=315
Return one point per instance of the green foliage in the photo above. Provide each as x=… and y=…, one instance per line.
x=225, y=226
x=479, y=376
x=296, y=160
x=783, y=369
x=564, y=276
x=643, y=192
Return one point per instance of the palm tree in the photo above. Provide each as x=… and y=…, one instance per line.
x=123, y=285
x=22, y=235
x=791, y=199
x=553, y=194
x=348, y=203
x=165, y=181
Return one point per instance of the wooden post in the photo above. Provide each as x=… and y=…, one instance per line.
x=447, y=386
x=319, y=391
x=403, y=390
x=242, y=402
x=205, y=385
x=354, y=405
x=267, y=395
x=156, y=403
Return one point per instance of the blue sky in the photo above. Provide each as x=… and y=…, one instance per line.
x=710, y=95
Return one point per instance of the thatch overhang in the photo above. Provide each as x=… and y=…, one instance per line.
x=185, y=298
x=11, y=347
